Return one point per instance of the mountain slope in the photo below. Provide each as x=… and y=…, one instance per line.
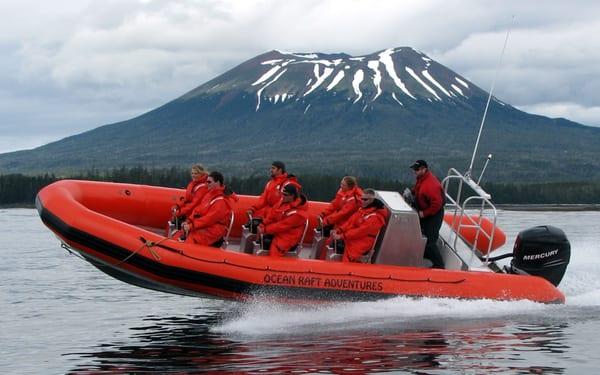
x=331, y=113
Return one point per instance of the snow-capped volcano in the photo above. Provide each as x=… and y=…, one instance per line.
x=402, y=75
x=373, y=73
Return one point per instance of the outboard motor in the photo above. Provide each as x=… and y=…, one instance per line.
x=541, y=251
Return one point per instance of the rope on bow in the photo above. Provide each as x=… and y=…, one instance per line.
x=146, y=243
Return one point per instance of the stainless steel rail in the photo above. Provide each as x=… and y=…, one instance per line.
x=462, y=194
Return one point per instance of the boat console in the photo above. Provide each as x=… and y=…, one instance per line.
x=400, y=242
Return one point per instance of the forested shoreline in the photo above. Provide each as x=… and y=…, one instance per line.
x=20, y=190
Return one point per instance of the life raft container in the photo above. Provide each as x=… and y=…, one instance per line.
x=477, y=230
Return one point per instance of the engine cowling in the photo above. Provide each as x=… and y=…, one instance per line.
x=541, y=251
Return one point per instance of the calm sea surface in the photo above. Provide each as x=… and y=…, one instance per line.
x=58, y=314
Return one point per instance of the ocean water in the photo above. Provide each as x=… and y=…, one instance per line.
x=58, y=314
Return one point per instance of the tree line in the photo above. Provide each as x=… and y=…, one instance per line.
x=19, y=189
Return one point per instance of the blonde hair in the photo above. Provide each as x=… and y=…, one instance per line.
x=199, y=168
x=350, y=181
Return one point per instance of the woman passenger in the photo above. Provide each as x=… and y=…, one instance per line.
x=346, y=202
x=194, y=193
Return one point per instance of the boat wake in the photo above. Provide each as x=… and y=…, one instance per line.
x=581, y=283
x=259, y=317
x=265, y=318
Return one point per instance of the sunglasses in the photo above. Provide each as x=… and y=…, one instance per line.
x=210, y=181
x=365, y=199
x=287, y=194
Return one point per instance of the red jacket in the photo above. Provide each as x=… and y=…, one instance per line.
x=271, y=194
x=210, y=219
x=342, y=206
x=286, y=223
x=194, y=193
x=360, y=231
x=429, y=194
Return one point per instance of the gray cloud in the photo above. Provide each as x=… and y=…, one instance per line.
x=71, y=66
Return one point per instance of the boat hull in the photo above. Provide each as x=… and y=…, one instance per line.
x=108, y=224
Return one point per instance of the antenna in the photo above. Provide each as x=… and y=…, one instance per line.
x=489, y=157
x=468, y=174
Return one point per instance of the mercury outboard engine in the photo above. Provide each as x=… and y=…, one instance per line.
x=541, y=251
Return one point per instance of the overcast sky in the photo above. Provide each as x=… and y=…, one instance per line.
x=70, y=66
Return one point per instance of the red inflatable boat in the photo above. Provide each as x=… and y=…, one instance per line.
x=119, y=228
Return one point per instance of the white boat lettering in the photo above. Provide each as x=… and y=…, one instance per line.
x=547, y=254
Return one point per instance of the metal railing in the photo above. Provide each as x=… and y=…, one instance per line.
x=462, y=194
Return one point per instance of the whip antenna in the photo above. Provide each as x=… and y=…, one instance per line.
x=468, y=174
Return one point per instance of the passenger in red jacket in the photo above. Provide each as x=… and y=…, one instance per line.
x=360, y=231
x=346, y=202
x=284, y=226
x=429, y=199
x=210, y=220
x=193, y=193
x=271, y=194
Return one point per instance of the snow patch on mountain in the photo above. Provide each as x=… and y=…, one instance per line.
x=427, y=75
x=461, y=82
x=386, y=58
x=323, y=62
x=374, y=65
x=259, y=92
x=301, y=55
x=320, y=77
x=358, y=78
x=418, y=79
x=271, y=62
x=267, y=75
x=457, y=89
x=396, y=99
x=338, y=77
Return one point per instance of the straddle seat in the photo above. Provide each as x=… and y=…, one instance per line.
x=248, y=238
x=296, y=250
x=226, y=237
x=319, y=240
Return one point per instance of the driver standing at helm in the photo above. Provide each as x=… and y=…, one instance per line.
x=429, y=199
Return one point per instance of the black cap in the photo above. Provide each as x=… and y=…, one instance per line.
x=278, y=164
x=290, y=189
x=419, y=164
